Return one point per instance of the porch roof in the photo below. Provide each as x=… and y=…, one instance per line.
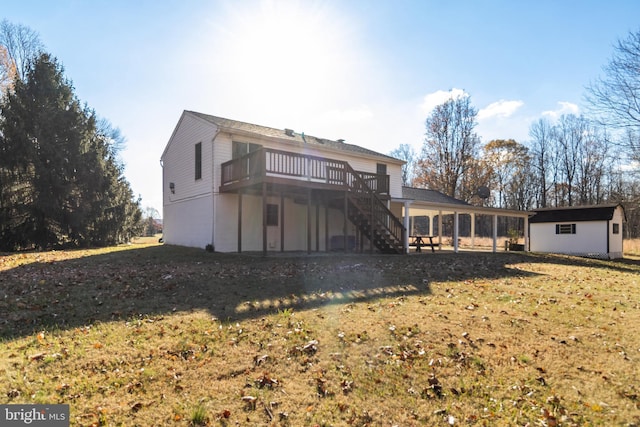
x=421, y=199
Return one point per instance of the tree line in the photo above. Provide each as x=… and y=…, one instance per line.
x=575, y=160
x=61, y=180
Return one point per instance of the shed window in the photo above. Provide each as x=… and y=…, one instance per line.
x=616, y=228
x=272, y=215
x=565, y=229
x=199, y=160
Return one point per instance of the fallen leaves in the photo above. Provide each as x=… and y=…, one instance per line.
x=258, y=341
x=266, y=380
x=310, y=348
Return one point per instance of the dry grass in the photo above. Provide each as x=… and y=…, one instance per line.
x=157, y=335
x=632, y=247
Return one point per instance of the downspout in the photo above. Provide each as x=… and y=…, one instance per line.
x=213, y=192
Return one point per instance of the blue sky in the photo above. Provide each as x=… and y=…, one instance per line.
x=367, y=71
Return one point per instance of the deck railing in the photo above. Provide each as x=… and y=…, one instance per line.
x=277, y=163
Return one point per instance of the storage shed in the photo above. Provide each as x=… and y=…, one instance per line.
x=590, y=231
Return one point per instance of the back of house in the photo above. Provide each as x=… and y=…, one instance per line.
x=239, y=187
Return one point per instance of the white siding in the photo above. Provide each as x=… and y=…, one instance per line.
x=615, y=240
x=188, y=210
x=222, y=152
x=188, y=223
x=395, y=180
x=590, y=238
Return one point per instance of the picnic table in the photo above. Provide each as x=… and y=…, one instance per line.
x=420, y=241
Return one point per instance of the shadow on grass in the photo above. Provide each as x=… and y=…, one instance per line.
x=160, y=280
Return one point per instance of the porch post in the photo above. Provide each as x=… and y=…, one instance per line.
x=239, y=221
x=281, y=222
x=439, y=229
x=326, y=227
x=473, y=230
x=264, y=218
x=317, y=228
x=309, y=221
x=344, y=227
x=456, y=217
x=495, y=232
x=406, y=226
x=371, y=229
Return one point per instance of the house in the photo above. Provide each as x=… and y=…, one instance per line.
x=592, y=231
x=235, y=186
x=242, y=187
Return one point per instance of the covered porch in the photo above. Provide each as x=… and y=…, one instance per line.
x=450, y=222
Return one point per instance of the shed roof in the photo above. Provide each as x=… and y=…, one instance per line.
x=575, y=213
x=289, y=136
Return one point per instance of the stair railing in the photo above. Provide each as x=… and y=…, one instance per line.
x=369, y=203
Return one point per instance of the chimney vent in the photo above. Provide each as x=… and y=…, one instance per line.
x=288, y=132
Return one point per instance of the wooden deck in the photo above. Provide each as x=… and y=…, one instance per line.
x=297, y=170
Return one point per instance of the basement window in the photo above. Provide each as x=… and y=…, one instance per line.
x=565, y=229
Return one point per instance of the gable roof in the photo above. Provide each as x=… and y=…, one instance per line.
x=288, y=135
x=432, y=196
x=575, y=213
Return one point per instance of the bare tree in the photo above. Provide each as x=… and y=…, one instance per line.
x=541, y=149
x=407, y=153
x=570, y=134
x=19, y=47
x=507, y=159
x=615, y=97
x=450, y=146
x=592, y=165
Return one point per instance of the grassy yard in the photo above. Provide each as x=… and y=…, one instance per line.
x=157, y=335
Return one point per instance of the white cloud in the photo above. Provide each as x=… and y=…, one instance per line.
x=432, y=100
x=563, y=108
x=499, y=109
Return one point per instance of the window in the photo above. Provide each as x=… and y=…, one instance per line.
x=381, y=169
x=199, y=160
x=272, y=215
x=242, y=148
x=565, y=229
x=616, y=228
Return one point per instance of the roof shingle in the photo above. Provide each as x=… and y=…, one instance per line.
x=574, y=213
x=433, y=196
x=295, y=138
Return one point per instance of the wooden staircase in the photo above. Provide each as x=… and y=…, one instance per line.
x=370, y=214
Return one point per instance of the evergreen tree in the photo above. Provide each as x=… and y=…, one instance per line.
x=60, y=182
